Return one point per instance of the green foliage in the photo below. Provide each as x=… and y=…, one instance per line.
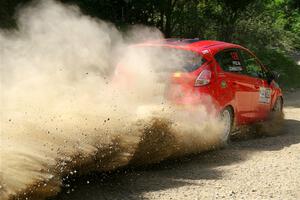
x=7, y=11
x=289, y=71
x=271, y=27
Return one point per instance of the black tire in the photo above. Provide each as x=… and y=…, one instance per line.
x=277, y=109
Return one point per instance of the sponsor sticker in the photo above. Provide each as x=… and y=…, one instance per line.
x=205, y=51
x=235, y=56
x=264, y=95
x=236, y=63
x=223, y=84
x=235, y=69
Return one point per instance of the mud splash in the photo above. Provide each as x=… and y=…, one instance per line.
x=62, y=112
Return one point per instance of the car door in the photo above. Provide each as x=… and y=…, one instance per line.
x=243, y=87
x=253, y=68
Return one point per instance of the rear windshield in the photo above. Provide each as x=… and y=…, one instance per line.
x=173, y=59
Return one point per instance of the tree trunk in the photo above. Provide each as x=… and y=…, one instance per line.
x=168, y=18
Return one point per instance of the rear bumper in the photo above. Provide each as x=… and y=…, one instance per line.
x=190, y=98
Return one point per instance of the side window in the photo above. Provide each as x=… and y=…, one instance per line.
x=229, y=61
x=252, y=66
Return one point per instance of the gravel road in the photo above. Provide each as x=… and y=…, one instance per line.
x=263, y=168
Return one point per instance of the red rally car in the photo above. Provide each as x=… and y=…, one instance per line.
x=226, y=76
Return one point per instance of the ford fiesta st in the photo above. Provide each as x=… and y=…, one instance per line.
x=226, y=76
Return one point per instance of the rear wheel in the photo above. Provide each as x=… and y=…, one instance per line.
x=227, y=120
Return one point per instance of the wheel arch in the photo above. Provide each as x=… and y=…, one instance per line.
x=230, y=107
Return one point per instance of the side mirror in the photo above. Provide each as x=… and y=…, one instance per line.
x=272, y=75
x=276, y=75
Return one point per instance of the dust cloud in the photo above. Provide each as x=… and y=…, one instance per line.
x=66, y=109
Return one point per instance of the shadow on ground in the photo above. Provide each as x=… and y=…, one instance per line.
x=132, y=183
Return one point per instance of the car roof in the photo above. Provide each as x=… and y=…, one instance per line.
x=193, y=44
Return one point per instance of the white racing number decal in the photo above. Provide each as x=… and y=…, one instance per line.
x=236, y=64
x=264, y=95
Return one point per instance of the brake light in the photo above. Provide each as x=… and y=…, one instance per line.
x=177, y=75
x=204, y=78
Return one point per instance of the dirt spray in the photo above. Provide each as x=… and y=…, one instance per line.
x=62, y=112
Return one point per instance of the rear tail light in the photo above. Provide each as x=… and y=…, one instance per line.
x=204, y=78
x=177, y=75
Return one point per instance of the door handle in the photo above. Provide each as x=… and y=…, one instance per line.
x=256, y=87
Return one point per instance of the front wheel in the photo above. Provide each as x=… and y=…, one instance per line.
x=273, y=125
x=276, y=118
x=278, y=106
x=227, y=119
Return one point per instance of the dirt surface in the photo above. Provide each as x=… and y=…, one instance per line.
x=262, y=168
